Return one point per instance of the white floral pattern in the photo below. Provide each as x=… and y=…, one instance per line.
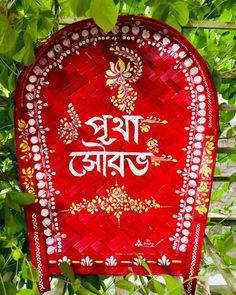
x=87, y=261
x=111, y=261
x=138, y=243
x=163, y=261
x=64, y=259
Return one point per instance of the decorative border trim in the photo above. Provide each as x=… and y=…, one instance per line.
x=189, y=288
x=38, y=253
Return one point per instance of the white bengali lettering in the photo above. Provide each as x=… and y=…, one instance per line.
x=101, y=160
x=100, y=124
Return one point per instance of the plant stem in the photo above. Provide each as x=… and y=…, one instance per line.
x=144, y=284
x=3, y=285
x=29, y=266
x=207, y=24
x=6, y=263
x=226, y=150
x=220, y=265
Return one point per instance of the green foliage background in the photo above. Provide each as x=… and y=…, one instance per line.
x=24, y=25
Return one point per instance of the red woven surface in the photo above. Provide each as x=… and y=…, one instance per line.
x=116, y=137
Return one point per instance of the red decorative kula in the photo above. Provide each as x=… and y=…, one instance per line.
x=116, y=138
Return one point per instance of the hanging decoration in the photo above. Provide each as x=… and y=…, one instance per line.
x=116, y=138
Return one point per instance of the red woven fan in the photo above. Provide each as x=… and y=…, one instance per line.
x=116, y=137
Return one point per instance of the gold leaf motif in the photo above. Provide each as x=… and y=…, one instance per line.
x=152, y=146
x=68, y=131
x=116, y=202
x=23, y=127
x=205, y=171
x=27, y=175
x=145, y=124
x=24, y=145
x=22, y=124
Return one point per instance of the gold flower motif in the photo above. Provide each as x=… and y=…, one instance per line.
x=144, y=127
x=201, y=209
x=152, y=145
x=28, y=172
x=121, y=75
x=209, y=145
x=203, y=188
x=24, y=146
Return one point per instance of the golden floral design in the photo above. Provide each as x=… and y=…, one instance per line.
x=207, y=158
x=121, y=75
x=23, y=128
x=68, y=130
x=201, y=200
x=27, y=175
x=144, y=124
x=116, y=202
x=205, y=171
x=152, y=146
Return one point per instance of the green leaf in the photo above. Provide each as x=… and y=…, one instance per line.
x=83, y=291
x=29, y=272
x=156, y=287
x=149, y=2
x=21, y=198
x=172, y=285
x=161, y=10
x=24, y=270
x=104, y=13
x=232, y=178
x=26, y=292
x=5, y=120
x=180, y=11
x=32, y=29
x=3, y=76
x=11, y=204
x=79, y=7
x=171, y=20
x=29, y=49
x=217, y=79
x=34, y=272
x=16, y=254
x=10, y=288
x=8, y=35
x=145, y=265
x=13, y=223
x=217, y=171
x=12, y=82
x=2, y=260
x=67, y=271
x=223, y=291
x=103, y=277
x=92, y=279
x=91, y=288
x=124, y=284
x=216, y=194
x=225, y=186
